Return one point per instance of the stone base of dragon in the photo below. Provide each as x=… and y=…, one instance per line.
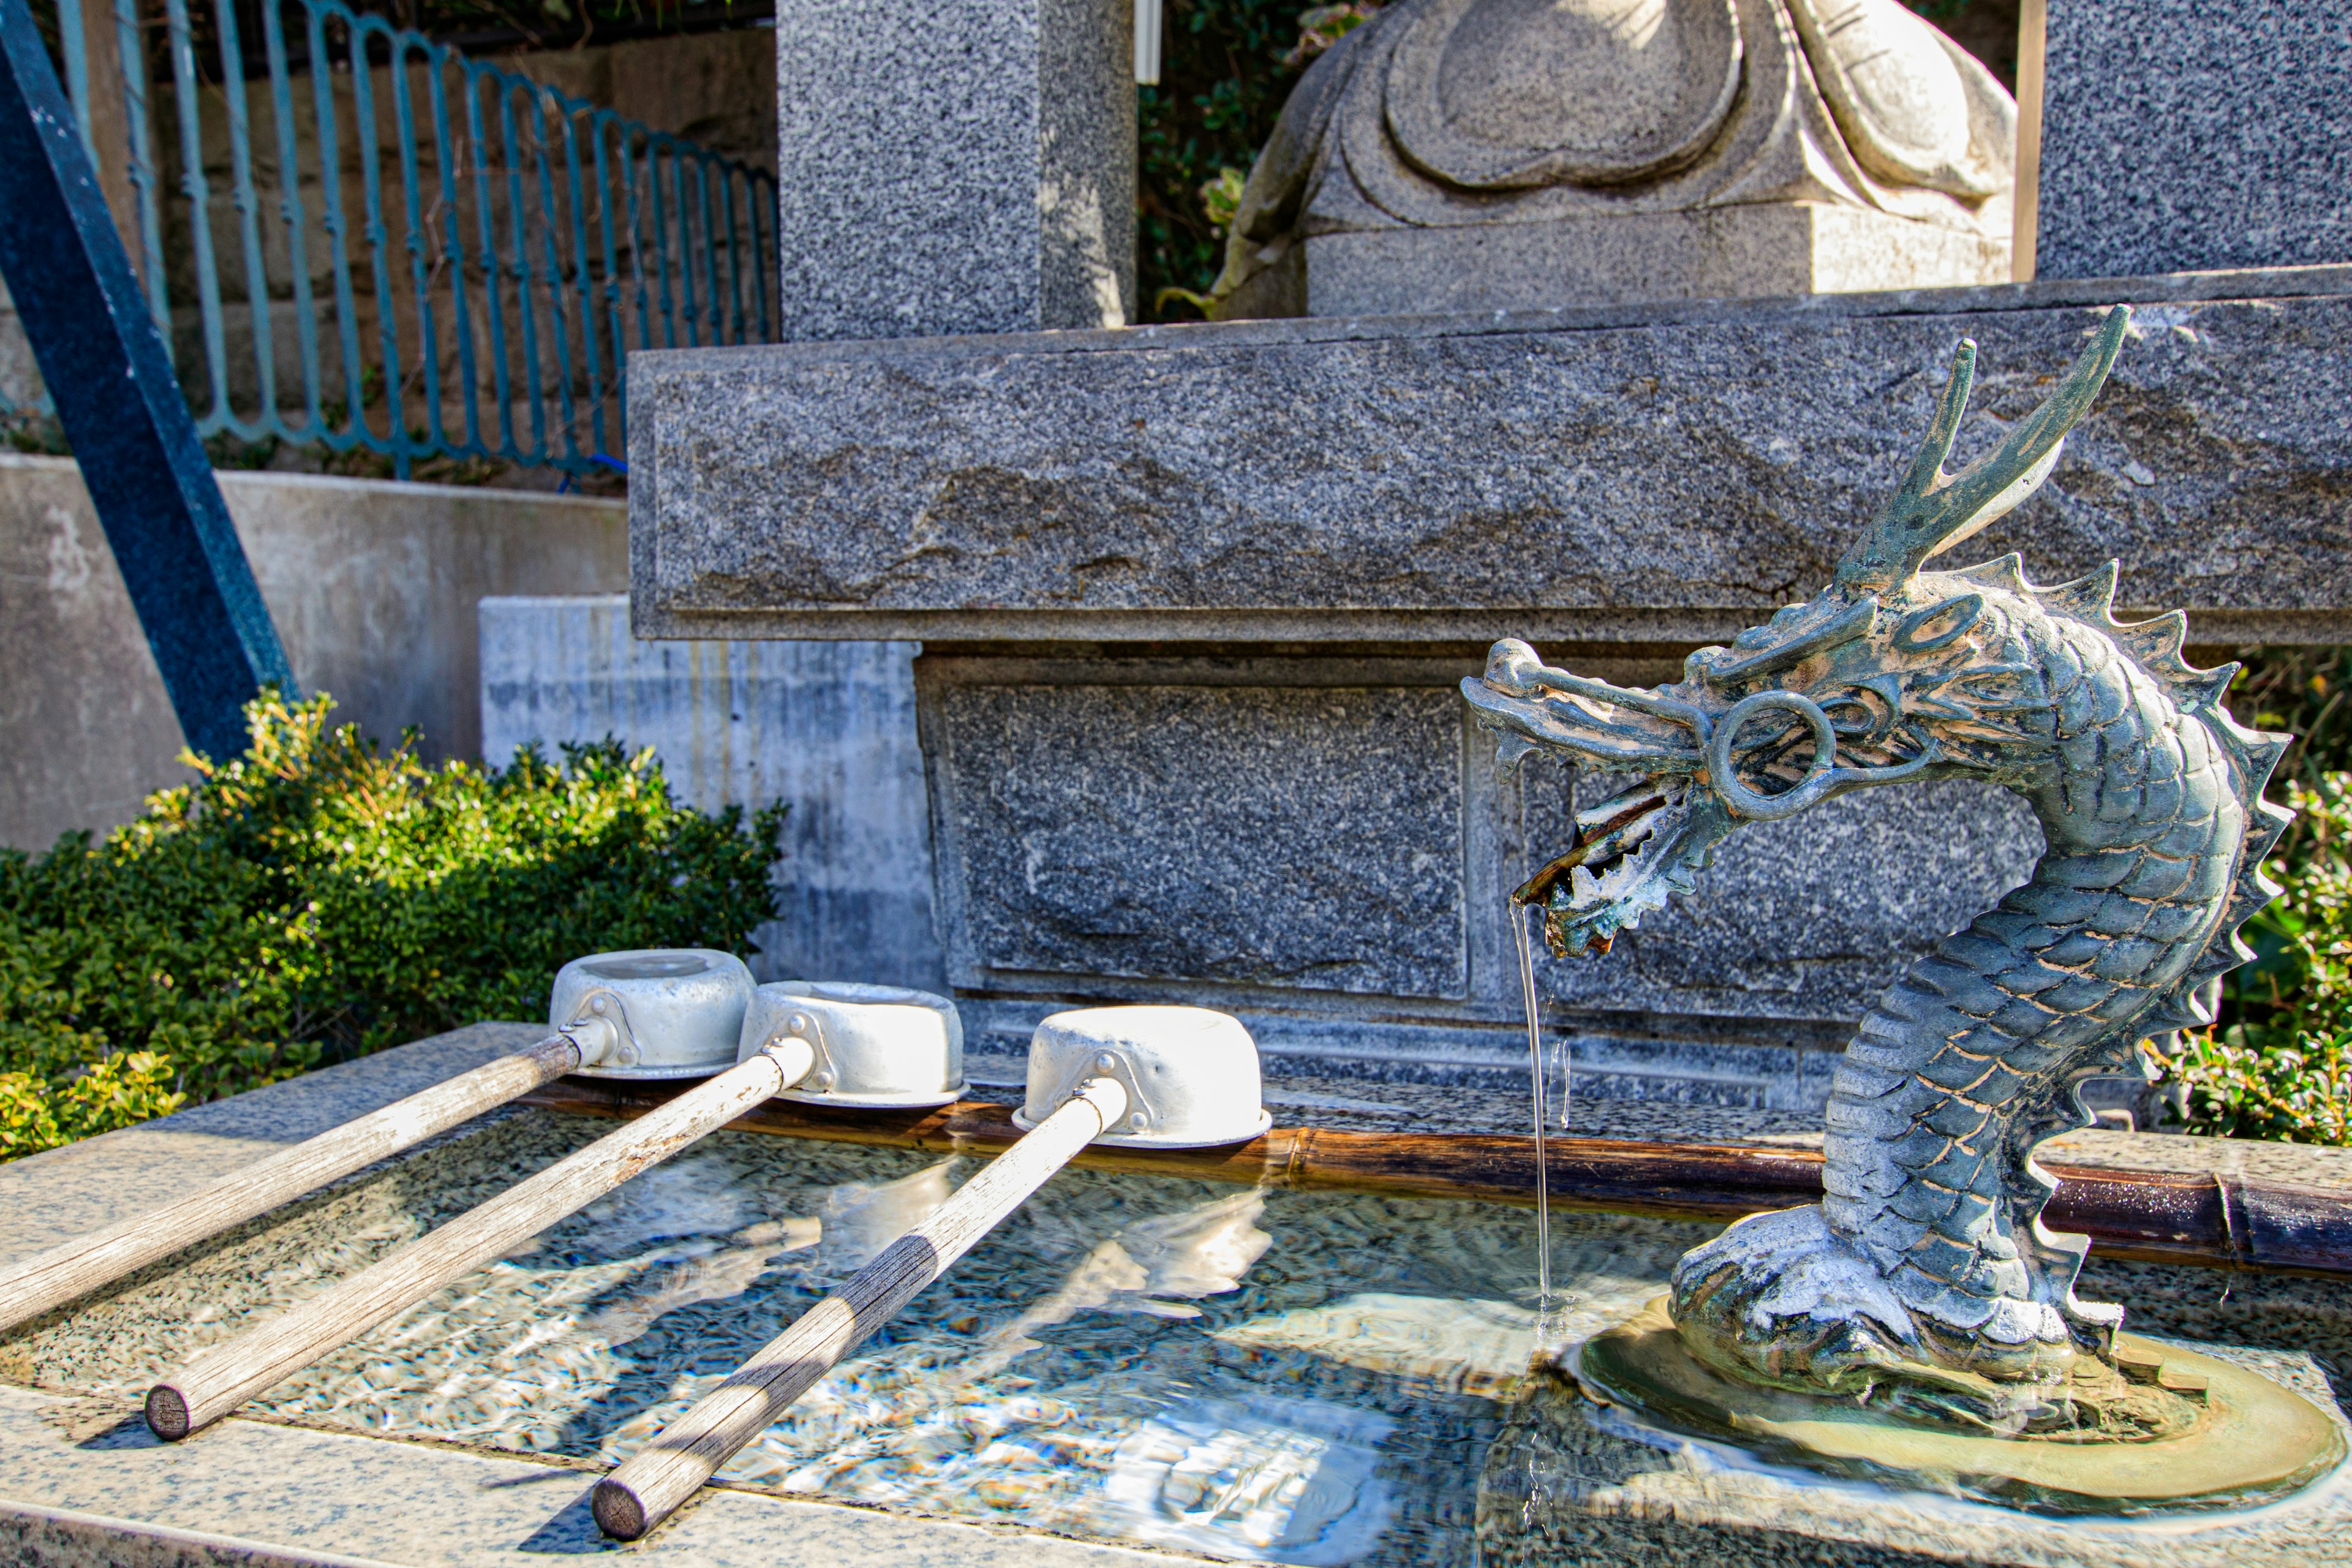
x=1924, y=1283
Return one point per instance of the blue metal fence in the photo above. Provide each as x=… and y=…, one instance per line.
x=513, y=242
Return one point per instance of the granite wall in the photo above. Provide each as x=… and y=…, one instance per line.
x=826, y=728
x=2181, y=134
x=1643, y=474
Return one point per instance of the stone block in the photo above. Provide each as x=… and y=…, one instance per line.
x=1716, y=253
x=966, y=167
x=826, y=728
x=2180, y=136
x=1811, y=918
x=1658, y=474
x=1305, y=839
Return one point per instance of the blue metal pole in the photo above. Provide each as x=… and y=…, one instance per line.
x=110, y=375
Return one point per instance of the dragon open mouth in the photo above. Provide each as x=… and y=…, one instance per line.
x=1726, y=744
x=1609, y=840
x=1643, y=843
x=1632, y=850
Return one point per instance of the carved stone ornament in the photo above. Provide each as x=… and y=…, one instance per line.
x=1924, y=1290
x=1597, y=141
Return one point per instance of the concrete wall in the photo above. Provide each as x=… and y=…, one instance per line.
x=828, y=728
x=374, y=587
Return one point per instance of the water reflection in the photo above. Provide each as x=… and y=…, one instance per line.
x=1299, y=1377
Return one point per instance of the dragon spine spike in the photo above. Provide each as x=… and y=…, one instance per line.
x=2264, y=750
x=2005, y=572
x=2203, y=689
x=1932, y=510
x=2157, y=644
x=2185, y=1008
x=2090, y=599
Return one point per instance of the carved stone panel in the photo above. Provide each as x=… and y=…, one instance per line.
x=1095, y=826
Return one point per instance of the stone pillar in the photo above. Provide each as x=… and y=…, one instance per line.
x=949, y=167
x=955, y=166
x=2180, y=136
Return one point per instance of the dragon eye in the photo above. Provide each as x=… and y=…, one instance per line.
x=1938, y=626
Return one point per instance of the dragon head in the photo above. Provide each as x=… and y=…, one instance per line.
x=1889, y=673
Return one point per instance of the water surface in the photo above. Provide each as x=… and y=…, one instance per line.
x=1304, y=1377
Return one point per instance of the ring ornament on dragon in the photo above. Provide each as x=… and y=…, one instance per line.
x=1920, y=1321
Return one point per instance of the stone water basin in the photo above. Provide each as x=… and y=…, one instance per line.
x=1165, y=1363
x=1301, y=1377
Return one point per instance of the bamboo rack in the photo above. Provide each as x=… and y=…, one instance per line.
x=2203, y=1220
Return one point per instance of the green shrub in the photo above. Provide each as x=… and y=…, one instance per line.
x=2278, y=1064
x=318, y=899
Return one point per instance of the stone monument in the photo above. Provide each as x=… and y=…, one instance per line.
x=1494, y=154
x=1920, y=1320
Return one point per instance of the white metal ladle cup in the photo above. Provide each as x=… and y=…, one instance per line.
x=877, y=1046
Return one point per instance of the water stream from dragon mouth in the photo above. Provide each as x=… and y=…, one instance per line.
x=1548, y=1308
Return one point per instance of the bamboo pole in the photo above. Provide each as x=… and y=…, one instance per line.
x=50, y=1279
x=2196, y=1219
x=650, y=1485
x=221, y=1379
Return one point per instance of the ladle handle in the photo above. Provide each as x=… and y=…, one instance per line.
x=75, y=1267
x=219, y=1379
x=655, y=1480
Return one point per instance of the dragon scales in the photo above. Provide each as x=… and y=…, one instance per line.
x=1925, y=1281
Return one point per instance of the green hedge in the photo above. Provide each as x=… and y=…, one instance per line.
x=2278, y=1064
x=317, y=899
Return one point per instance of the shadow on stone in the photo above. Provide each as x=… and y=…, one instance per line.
x=570, y=1533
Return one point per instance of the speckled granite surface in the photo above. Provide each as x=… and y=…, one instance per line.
x=77, y=1486
x=267, y=1494
x=48, y=1197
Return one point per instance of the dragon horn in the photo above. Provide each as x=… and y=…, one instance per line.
x=1934, y=511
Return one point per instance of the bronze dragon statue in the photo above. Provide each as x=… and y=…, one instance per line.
x=1924, y=1281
